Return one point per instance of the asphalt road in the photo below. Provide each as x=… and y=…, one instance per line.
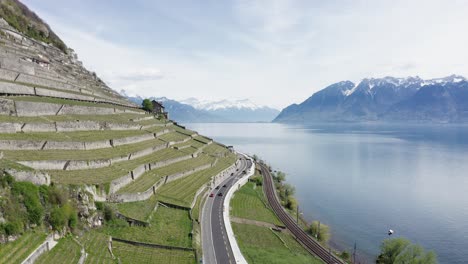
x=215, y=243
x=307, y=241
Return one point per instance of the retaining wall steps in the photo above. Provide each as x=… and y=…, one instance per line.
x=134, y=197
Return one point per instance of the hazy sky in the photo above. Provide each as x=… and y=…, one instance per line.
x=274, y=52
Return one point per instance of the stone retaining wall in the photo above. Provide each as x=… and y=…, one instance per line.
x=37, y=253
x=65, y=126
x=8, y=75
x=67, y=145
x=27, y=108
x=134, y=197
x=36, y=177
x=87, y=164
x=117, y=184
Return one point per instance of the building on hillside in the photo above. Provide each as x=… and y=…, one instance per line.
x=158, y=108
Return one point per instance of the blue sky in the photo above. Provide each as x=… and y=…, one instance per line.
x=274, y=52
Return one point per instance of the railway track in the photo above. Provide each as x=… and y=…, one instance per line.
x=307, y=241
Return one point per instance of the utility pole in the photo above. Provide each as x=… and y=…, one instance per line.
x=297, y=214
x=354, y=253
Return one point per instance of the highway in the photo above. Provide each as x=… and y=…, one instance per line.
x=215, y=243
x=307, y=241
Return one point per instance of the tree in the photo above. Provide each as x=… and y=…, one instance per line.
x=321, y=232
x=402, y=251
x=280, y=176
x=147, y=105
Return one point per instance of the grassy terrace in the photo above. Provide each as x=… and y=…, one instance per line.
x=202, y=139
x=150, y=121
x=19, y=250
x=66, y=251
x=136, y=254
x=263, y=245
x=173, y=136
x=95, y=154
x=151, y=177
x=138, y=210
x=54, y=89
x=81, y=136
x=168, y=226
x=95, y=244
x=215, y=150
x=107, y=174
x=182, y=191
x=192, y=143
x=249, y=202
x=8, y=164
x=184, y=130
x=67, y=102
x=198, y=205
x=116, y=118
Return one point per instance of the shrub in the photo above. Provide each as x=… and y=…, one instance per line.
x=12, y=228
x=58, y=218
x=30, y=197
x=108, y=213
x=321, y=232
x=345, y=255
x=400, y=250
x=99, y=206
x=57, y=196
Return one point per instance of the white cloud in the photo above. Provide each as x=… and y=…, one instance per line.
x=277, y=52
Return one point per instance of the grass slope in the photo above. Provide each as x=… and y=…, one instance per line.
x=168, y=226
x=66, y=251
x=249, y=202
x=138, y=254
x=262, y=245
x=19, y=250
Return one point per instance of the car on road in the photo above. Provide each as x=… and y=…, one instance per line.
x=211, y=195
x=220, y=194
x=217, y=188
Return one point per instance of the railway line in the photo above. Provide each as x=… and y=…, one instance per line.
x=307, y=241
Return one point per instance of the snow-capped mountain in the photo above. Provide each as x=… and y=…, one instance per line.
x=193, y=110
x=387, y=98
x=221, y=104
x=242, y=110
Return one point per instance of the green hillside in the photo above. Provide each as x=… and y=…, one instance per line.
x=96, y=167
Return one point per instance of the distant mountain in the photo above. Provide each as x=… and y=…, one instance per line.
x=385, y=99
x=235, y=110
x=195, y=111
x=183, y=113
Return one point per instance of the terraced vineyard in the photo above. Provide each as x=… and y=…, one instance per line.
x=96, y=246
x=168, y=226
x=140, y=210
x=66, y=251
x=181, y=192
x=61, y=125
x=18, y=250
x=137, y=254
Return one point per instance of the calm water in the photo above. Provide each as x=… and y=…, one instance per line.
x=362, y=180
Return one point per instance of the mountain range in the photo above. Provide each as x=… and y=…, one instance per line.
x=192, y=110
x=411, y=99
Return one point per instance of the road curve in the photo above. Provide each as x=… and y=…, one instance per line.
x=215, y=243
x=307, y=241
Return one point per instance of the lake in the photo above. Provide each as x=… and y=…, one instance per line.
x=364, y=179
